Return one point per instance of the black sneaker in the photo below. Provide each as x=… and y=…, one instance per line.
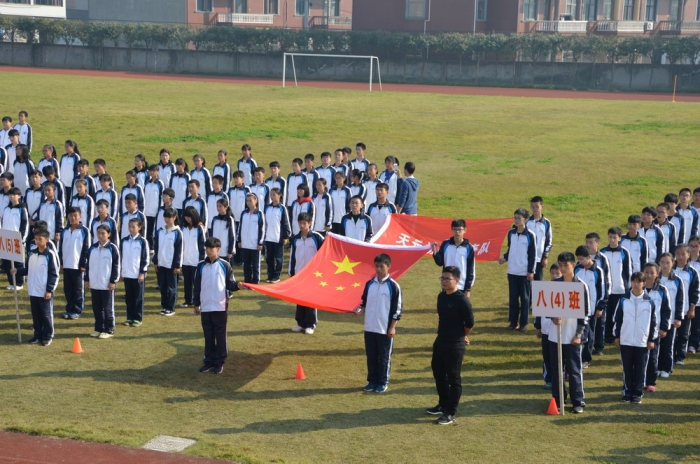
x=434, y=411
x=206, y=368
x=510, y=327
x=218, y=369
x=636, y=400
x=446, y=419
x=626, y=399
x=168, y=313
x=34, y=341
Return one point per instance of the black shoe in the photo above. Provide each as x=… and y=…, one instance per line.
x=206, y=368
x=510, y=327
x=434, y=411
x=218, y=369
x=34, y=341
x=636, y=400
x=446, y=419
x=626, y=399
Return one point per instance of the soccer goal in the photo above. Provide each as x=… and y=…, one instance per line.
x=371, y=59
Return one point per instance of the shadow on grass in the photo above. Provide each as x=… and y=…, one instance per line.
x=669, y=452
x=337, y=421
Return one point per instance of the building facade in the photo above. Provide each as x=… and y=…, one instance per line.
x=35, y=8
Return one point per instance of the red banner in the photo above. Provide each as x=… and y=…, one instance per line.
x=335, y=277
x=485, y=235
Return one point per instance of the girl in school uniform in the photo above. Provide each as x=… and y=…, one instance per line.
x=250, y=236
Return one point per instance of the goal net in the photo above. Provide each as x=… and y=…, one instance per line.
x=331, y=67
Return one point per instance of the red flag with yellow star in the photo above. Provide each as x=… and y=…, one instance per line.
x=335, y=277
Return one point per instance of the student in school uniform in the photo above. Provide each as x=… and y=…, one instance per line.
x=193, y=238
x=15, y=218
x=135, y=255
x=520, y=257
x=305, y=245
x=23, y=167
x=26, y=136
x=250, y=237
x=69, y=168
x=236, y=197
x=407, y=197
x=196, y=201
x=166, y=168
x=371, y=182
x=201, y=174
x=130, y=213
x=103, y=218
x=310, y=172
x=652, y=234
x=152, y=201
x=6, y=181
x=326, y=170
x=101, y=277
x=357, y=188
x=633, y=242
x=323, y=208
x=32, y=197
x=179, y=182
x=340, y=196
x=259, y=188
x=108, y=194
x=635, y=324
x=660, y=296
x=382, y=208
x=100, y=166
x=141, y=170
x=457, y=251
x=294, y=180
x=676, y=297
x=587, y=270
x=356, y=224
x=42, y=280
x=59, y=189
x=691, y=284
x=167, y=260
x=247, y=164
x=667, y=227
x=11, y=149
x=542, y=326
x=168, y=196
x=303, y=204
x=6, y=128
x=339, y=165
x=84, y=175
x=223, y=169
x=542, y=228
x=131, y=188
x=213, y=283
x=347, y=152
x=49, y=159
x=275, y=180
x=687, y=217
x=620, y=272
x=217, y=193
x=223, y=227
x=72, y=252
x=360, y=162
x=598, y=322
x=277, y=233
x=51, y=211
x=391, y=177
x=382, y=305
x=694, y=261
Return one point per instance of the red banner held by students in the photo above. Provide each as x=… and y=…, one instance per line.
x=335, y=277
x=485, y=235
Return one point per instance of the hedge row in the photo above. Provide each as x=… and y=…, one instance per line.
x=497, y=47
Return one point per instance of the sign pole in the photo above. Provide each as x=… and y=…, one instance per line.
x=560, y=367
x=14, y=284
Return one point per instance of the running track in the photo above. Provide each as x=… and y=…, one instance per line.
x=415, y=88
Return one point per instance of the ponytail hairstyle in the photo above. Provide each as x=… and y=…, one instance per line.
x=224, y=202
x=74, y=146
x=143, y=160
x=50, y=147
x=181, y=162
x=199, y=155
x=22, y=152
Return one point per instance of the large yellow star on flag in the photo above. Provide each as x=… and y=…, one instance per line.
x=345, y=266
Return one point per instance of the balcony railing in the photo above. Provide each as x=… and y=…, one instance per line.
x=678, y=26
x=325, y=21
x=35, y=2
x=244, y=18
x=620, y=26
x=562, y=26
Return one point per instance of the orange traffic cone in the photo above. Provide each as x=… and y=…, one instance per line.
x=77, y=348
x=552, y=410
x=300, y=373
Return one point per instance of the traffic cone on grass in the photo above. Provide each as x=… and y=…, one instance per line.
x=300, y=373
x=552, y=410
x=77, y=348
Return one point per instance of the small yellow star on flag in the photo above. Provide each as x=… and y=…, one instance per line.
x=345, y=266
x=356, y=284
x=318, y=274
x=324, y=284
x=340, y=288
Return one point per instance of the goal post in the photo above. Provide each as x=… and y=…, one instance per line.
x=372, y=61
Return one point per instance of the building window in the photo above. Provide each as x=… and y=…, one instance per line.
x=591, y=10
x=697, y=14
x=628, y=10
x=651, y=10
x=415, y=9
x=607, y=10
x=300, y=9
x=205, y=6
x=529, y=10
x=332, y=7
x=44, y=2
x=272, y=7
x=241, y=6
x=570, y=9
x=481, y=10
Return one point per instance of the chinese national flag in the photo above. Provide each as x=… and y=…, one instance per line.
x=485, y=235
x=335, y=277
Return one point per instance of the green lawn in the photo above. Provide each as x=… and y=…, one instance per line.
x=594, y=162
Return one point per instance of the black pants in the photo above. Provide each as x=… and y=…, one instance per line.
x=518, y=300
x=572, y=365
x=546, y=362
x=539, y=271
x=447, y=372
x=306, y=317
x=666, y=351
x=634, y=368
x=42, y=317
x=587, y=348
x=335, y=228
x=74, y=290
x=378, y=348
x=215, y=345
x=610, y=316
x=597, y=332
x=238, y=256
x=694, y=339
x=150, y=225
x=680, y=347
x=275, y=259
x=251, y=266
x=68, y=191
x=6, y=266
x=103, y=309
x=188, y=274
x=133, y=290
x=167, y=280
x=653, y=364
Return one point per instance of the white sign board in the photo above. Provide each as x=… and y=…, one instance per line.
x=558, y=299
x=11, y=247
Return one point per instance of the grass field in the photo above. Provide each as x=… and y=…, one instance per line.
x=594, y=162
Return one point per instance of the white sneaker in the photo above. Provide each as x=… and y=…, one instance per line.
x=298, y=329
x=11, y=287
x=104, y=335
x=664, y=374
x=309, y=331
x=95, y=334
